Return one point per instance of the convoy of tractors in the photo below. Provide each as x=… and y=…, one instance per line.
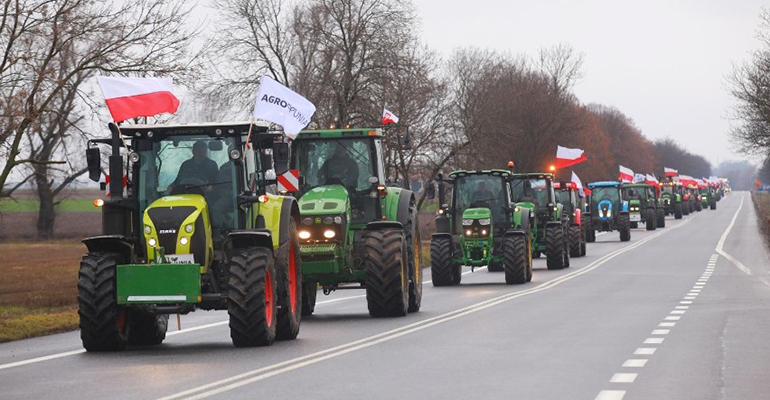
x=204, y=220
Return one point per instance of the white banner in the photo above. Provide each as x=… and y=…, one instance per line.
x=280, y=105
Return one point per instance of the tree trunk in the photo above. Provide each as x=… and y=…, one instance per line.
x=46, y=215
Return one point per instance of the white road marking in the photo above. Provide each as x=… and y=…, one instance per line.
x=678, y=312
x=682, y=307
x=685, y=302
x=673, y=318
x=689, y=297
x=721, y=244
x=645, y=351
x=695, y=290
x=623, y=378
x=666, y=324
x=661, y=331
x=39, y=359
x=653, y=340
x=611, y=395
x=262, y=373
x=635, y=363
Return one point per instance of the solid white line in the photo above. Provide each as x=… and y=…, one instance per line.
x=653, y=340
x=39, y=359
x=262, y=373
x=611, y=395
x=623, y=378
x=721, y=243
x=635, y=363
x=645, y=351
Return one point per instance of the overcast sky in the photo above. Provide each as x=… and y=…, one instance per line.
x=662, y=63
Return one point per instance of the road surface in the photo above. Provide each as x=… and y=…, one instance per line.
x=678, y=313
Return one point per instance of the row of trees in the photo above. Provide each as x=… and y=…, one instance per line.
x=474, y=109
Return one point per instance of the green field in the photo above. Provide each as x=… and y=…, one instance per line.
x=31, y=205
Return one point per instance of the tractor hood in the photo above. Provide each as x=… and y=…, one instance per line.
x=324, y=200
x=526, y=204
x=477, y=213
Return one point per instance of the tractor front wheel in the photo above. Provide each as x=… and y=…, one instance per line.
x=309, y=295
x=678, y=211
x=102, y=321
x=574, y=241
x=290, y=278
x=252, y=297
x=624, y=227
x=387, y=273
x=661, y=215
x=650, y=222
x=515, y=259
x=414, y=251
x=713, y=204
x=441, y=269
x=555, y=248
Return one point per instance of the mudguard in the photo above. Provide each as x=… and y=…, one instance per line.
x=112, y=244
x=289, y=210
x=383, y=225
x=251, y=238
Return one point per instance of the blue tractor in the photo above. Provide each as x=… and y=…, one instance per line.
x=608, y=211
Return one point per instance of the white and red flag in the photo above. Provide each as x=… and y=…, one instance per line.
x=138, y=97
x=626, y=174
x=651, y=180
x=670, y=172
x=576, y=181
x=388, y=117
x=566, y=157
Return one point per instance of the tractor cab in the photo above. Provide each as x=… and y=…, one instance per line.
x=642, y=204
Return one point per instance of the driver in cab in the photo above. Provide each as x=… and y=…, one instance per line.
x=199, y=169
x=339, y=168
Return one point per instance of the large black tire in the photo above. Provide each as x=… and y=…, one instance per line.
x=686, y=208
x=515, y=259
x=661, y=216
x=713, y=204
x=590, y=235
x=698, y=206
x=252, y=297
x=289, y=271
x=678, y=211
x=624, y=227
x=145, y=328
x=555, y=247
x=583, y=240
x=634, y=225
x=441, y=269
x=414, y=251
x=102, y=321
x=649, y=220
x=309, y=295
x=574, y=240
x=387, y=273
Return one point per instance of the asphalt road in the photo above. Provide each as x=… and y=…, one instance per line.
x=678, y=313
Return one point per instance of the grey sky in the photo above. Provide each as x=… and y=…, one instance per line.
x=662, y=63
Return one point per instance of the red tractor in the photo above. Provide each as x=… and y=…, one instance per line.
x=573, y=202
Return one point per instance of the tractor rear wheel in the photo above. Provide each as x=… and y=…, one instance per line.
x=252, y=297
x=145, y=328
x=387, y=273
x=713, y=204
x=624, y=227
x=661, y=215
x=574, y=241
x=309, y=295
x=515, y=259
x=289, y=277
x=649, y=219
x=102, y=321
x=678, y=211
x=554, y=247
x=698, y=206
x=414, y=251
x=441, y=261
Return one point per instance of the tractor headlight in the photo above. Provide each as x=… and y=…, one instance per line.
x=467, y=222
x=328, y=221
x=485, y=221
x=183, y=241
x=152, y=242
x=468, y=232
x=338, y=220
x=330, y=234
x=307, y=221
x=188, y=228
x=304, y=235
x=147, y=229
x=608, y=213
x=484, y=232
x=517, y=209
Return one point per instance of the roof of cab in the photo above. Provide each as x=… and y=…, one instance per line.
x=339, y=133
x=604, y=184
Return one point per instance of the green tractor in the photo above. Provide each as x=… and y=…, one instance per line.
x=195, y=229
x=481, y=227
x=643, y=206
x=708, y=197
x=356, y=231
x=671, y=198
x=574, y=202
x=534, y=194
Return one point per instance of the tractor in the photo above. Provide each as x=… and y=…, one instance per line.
x=671, y=198
x=195, y=229
x=609, y=211
x=533, y=193
x=573, y=201
x=356, y=231
x=708, y=197
x=481, y=227
x=643, y=206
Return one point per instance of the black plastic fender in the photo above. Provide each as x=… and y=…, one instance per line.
x=403, y=206
x=289, y=210
x=371, y=226
x=252, y=238
x=110, y=244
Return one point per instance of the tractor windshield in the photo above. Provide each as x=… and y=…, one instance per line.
x=605, y=193
x=191, y=165
x=335, y=161
x=480, y=191
x=635, y=193
x=563, y=196
x=531, y=190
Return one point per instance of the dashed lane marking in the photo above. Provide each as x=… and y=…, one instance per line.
x=635, y=363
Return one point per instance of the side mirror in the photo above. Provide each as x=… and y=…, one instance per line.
x=265, y=160
x=93, y=158
x=405, y=141
x=430, y=190
x=281, y=157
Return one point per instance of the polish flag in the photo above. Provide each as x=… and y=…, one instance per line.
x=670, y=171
x=577, y=181
x=626, y=174
x=651, y=180
x=138, y=97
x=388, y=117
x=566, y=157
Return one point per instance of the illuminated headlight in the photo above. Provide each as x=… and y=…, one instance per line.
x=328, y=221
x=152, y=242
x=329, y=233
x=485, y=221
x=304, y=235
x=337, y=220
x=188, y=228
x=517, y=209
x=468, y=232
x=147, y=229
x=183, y=241
x=555, y=208
x=439, y=211
x=608, y=213
x=467, y=222
x=307, y=221
x=483, y=232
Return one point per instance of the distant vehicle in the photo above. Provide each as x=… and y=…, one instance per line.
x=568, y=195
